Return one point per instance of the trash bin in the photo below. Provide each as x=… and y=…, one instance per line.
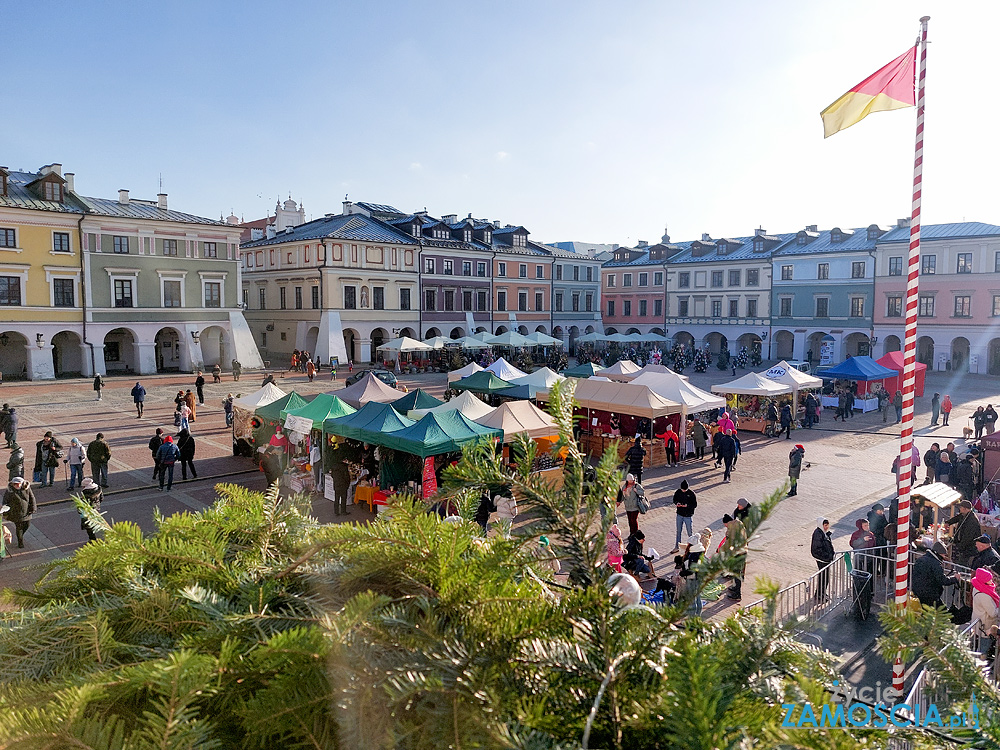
x=864, y=591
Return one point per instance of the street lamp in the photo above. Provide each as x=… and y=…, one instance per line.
x=39, y=340
x=196, y=337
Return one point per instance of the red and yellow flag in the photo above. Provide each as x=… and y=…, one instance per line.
x=888, y=88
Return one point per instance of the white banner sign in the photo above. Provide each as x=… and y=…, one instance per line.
x=298, y=424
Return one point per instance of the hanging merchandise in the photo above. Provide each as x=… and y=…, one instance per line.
x=429, y=479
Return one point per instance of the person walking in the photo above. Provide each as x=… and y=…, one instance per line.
x=671, y=443
x=841, y=406
x=184, y=414
x=99, y=454
x=138, y=397
x=685, y=501
x=634, y=457
x=185, y=444
x=735, y=543
x=75, y=458
x=795, y=468
x=727, y=454
x=21, y=501
x=717, y=436
x=884, y=402
x=167, y=455
x=227, y=407
x=700, y=436
x=216, y=374
x=786, y=421
x=822, y=552
x=629, y=494
x=946, y=407
x=935, y=408
x=98, y=386
x=199, y=386
x=237, y=370
x=93, y=495
x=15, y=462
x=5, y=422
x=897, y=403
x=154, y=446
x=51, y=452
x=310, y=370
x=189, y=400
x=772, y=419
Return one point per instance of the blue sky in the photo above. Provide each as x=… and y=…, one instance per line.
x=589, y=121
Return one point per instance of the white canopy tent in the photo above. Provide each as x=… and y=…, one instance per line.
x=439, y=342
x=505, y=370
x=752, y=384
x=589, y=338
x=785, y=374
x=405, y=344
x=510, y=338
x=266, y=395
x=623, y=370
x=470, y=369
x=466, y=402
x=672, y=386
x=471, y=342
x=660, y=369
x=540, y=339
x=516, y=417
x=541, y=378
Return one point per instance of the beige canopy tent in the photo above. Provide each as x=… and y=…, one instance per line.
x=785, y=374
x=623, y=370
x=542, y=378
x=660, y=369
x=672, y=386
x=243, y=408
x=637, y=400
x=752, y=384
x=440, y=342
x=517, y=417
x=369, y=388
x=466, y=402
x=463, y=372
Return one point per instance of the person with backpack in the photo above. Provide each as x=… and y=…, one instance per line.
x=167, y=455
x=795, y=468
x=138, y=397
x=98, y=385
x=75, y=459
x=154, y=446
x=630, y=493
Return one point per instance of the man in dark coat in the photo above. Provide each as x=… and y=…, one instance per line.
x=986, y=556
x=21, y=500
x=822, y=552
x=634, y=457
x=928, y=579
x=965, y=481
x=967, y=531
x=5, y=421
x=786, y=421
x=199, y=386
x=685, y=501
x=811, y=405
x=877, y=523
x=270, y=464
x=12, y=420
x=185, y=444
x=154, y=445
x=772, y=418
x=99, y=454
x=138, y=397
x=342, y=483
x=742, y=511
x=727, y=452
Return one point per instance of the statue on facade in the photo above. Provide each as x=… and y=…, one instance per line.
x=364, y=298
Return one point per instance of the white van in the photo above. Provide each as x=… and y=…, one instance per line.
x=802, y=366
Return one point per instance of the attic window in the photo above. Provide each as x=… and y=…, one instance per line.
x=872, y=233
x=3, y=184
x=416, y=229
x=488, y=237
x=723, y=248
x=758, y=246
x=836, y=236
x=801, y=239
x=52, y=191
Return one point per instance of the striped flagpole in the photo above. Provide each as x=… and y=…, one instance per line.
x=910, y=359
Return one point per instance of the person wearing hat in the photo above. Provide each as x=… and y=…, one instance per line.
x=21, y=501
x=967, y=530
x=93, y=494
x=75, y=459
x=822, y=552
x=795, y=467
x=735, y=543
x=685, y=501
x=927, y=581
x=695, y=551
x=635, y=561
x=985, y=603
x=742, y=510
x=15, y=462
x=986, y=556
x=168, y=454
x=634, y=457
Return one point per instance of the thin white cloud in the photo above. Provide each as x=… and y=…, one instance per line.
x=416, y=166
x=502, y=156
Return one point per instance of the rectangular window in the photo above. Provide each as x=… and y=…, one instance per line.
x=62, y=292
x=481, y=301
x=481, y=269
x=171, y=294
x=558, y=271
x=964, y=264
x=522, y=301
x=522, y=271
x=717, y=279
x=590, y=270
x=785, y=307
x=753, y=277
x=466, y=268
x=627, y=308
x=717, y=308
x=576, y=302
x=298, y=298
x=430, y=300
x=501, y=301
x=822, y=271
x=925, y=306
x=449, y=268
x=170, y=247
x=8, y=238
x=576, y=273
x=212, y=250
x=123, y=293
x=611, y=281
x=315, y=298
x=378, y=297
x=734, y=277
x=751, y=308
x=657, y=307
x=996, y=305
x=643, y=308
x=896, y=265
x=501, y=269
x=823, y=307
x=539, y=301
x=682, y=307
x=858, y=269
x=213, y=294
x=350, y=298
x=626, y=279
x=786, y=273
x=611, y=308
x=404, y=299
x=449, y=301
x=857, y=307
x=590, y=303
x=282, y=298
x=734, y=308
x=539, y=272
x=559, y=302
x=246, y=299
x=53, y=191
x=429, y=265
x=120, y=244
x=262, y=298
x=684, y=280
x=963, y=305
x=467, y=301
x=996, y=263
x=894, y=307
x=928, y=264
x=60, y=243
x=643, y=279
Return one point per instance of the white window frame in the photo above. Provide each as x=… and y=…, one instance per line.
x=52, y=245
x=21, y=271
x=124, y=274
x=61, y=272
x=171, y=275
x=218, y=277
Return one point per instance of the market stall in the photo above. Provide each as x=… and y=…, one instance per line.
x=990, y=445
x=415, y=399
x=463, y=372
x=750, y=394
x=785, y=374
x=522, y=418
x=673, y=387
x=861, y=370
x=894, y=361
x=660, y=369
x=542, y=378
x=586, y=370
x=303, y=426
x=243, y=409
x=471, y=342
x=267, y=418
x=481, y=382
x=623, y=370
x=369, y=388
x=509, y=339
x=466, y=402
x=540, y=339
x=505, y=370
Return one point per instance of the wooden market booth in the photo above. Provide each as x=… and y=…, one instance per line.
x=751, y=393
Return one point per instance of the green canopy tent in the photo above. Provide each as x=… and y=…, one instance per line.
x=321, y=408
x=270, y=416
x=587, y=370
x=438, y=433
x=418, y=399
x=481, y=382
x=367, y=423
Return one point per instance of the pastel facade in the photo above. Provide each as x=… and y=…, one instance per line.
x=633, y=289
x=522, y=283
x=576, y=294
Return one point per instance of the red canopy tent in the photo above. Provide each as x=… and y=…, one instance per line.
x=894, y=361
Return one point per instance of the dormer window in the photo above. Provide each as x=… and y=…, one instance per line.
x=801, y=239
x=758, y=246
x=416, y=230
x=488, y=237
x=3, y=182
x=836, y=236
x=723, y=248
x=52, y=191
x=467, y=234
x=872, y=234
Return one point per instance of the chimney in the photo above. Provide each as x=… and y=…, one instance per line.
x=643, y=243
x=496, y=224
x=161, y=201
x=902, y=223
x=449, y=218
x=812, y=228
x=51, y=168
x=759, y=231
x=705, y=237
x=71, y=182
x=347, y=208
x=123, y=196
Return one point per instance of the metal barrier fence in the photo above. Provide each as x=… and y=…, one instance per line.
x=877, y=561
x=812, y=597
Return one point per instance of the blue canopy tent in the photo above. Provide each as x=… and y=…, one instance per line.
x=861, y=370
